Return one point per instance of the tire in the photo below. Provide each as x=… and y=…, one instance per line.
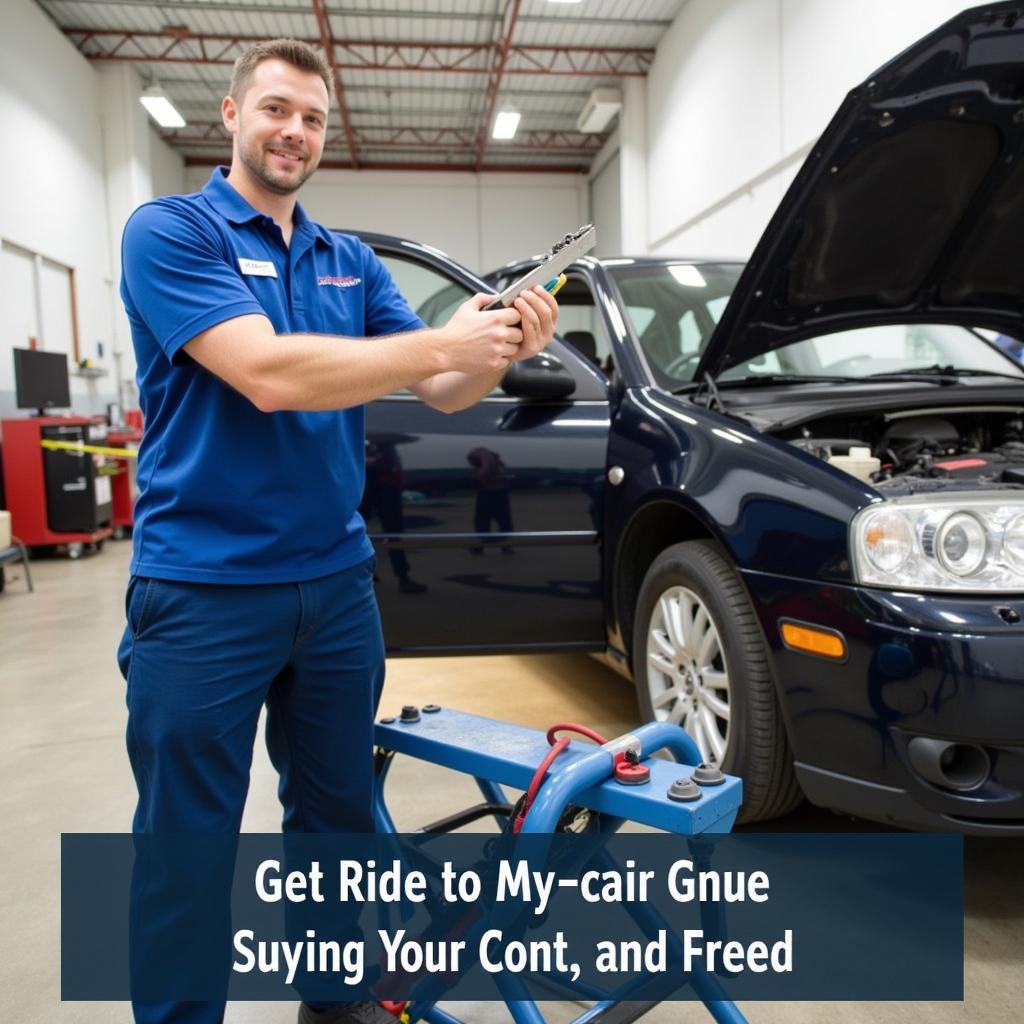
x=692, y=604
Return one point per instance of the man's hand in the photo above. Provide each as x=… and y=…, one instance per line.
x=479, y=341
x=539, y=312
x=482, y=345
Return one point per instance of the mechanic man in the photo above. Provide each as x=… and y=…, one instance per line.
x=258, y=336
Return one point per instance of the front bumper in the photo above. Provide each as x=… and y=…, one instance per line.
x=919, y=665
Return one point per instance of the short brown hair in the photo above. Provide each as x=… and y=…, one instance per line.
x=293, y=51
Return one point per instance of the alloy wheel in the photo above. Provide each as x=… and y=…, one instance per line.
x=687, y=675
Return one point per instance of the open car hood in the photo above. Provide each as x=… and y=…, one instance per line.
x=910, y=207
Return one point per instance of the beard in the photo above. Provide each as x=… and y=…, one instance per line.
x=254, y=156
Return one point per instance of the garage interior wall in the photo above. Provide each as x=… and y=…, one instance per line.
x=481, y=220
x=606, y=207
x=738, y=93
x=86, y=152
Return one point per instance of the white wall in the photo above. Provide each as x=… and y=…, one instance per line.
x=481, y=220
x=139, y=165
x=738, y=92
x=166, y=167
x=606, y=206
x=54, y=200
x=77, y=133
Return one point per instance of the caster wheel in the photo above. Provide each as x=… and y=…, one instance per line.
x=76, y=550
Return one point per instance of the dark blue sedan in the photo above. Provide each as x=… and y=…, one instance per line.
x=786, y=499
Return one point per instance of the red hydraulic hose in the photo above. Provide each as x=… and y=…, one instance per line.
x=542, y=769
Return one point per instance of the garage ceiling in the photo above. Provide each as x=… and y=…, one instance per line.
x=419, y=81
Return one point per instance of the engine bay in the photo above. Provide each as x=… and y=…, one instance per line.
x=923, y=452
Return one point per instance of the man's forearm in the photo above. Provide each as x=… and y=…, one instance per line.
x=340, y=372
x=309, y=372
x=312, y=373
x=453, y=391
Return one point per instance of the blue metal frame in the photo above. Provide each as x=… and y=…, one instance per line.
x=499, y=754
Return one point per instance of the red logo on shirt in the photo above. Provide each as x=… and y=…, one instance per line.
x=338, y=282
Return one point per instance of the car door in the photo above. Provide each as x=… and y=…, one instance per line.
x=486, y=522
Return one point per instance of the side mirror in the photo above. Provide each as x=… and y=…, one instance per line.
x=542, y=376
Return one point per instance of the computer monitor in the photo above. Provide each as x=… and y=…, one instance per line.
x=41, y=380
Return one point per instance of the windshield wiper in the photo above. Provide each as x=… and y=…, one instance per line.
x=956, y=371
x=942, y=375
x=767, y=378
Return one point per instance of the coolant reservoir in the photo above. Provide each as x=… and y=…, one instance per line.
x=859, y=463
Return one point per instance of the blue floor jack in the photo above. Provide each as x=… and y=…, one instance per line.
x=616, y=779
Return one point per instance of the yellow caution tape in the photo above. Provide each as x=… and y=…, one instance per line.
x=90, y=449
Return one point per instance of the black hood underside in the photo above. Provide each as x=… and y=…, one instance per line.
x=910, y=208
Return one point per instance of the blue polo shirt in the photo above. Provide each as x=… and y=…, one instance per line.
x=229, y=494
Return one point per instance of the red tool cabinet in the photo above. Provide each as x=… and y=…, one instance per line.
x=54, y=497
x=122, y=482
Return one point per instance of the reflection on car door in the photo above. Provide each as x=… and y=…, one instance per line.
x=486, y=523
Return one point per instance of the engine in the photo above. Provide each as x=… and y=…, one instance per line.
x=919, y=454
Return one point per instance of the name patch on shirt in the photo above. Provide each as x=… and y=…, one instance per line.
x=257, y=268
x=335, y=281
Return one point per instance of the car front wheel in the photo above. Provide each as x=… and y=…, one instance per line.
x=700, y=662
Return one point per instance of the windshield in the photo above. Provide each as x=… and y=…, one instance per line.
x=673, y=309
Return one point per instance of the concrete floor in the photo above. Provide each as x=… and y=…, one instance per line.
x=63, y=767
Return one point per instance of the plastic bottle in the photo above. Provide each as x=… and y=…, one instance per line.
x=859, y=463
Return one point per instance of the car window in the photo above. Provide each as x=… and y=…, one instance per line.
x=673, y=309
x=580, y=323
x=433, y=296
x=1013, y=347
x=716, y=307
x=907, y=344
x=888, y=348
x=641, y=317
x=689, y=333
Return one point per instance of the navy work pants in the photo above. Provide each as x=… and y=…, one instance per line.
x=200, y=662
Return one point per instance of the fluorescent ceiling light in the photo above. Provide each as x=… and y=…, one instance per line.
x=160, y=108
x=505, y=124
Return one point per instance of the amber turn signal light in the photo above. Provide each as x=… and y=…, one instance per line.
x=825, y=643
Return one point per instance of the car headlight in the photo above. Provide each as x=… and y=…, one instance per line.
x=1013, y=541
x=970, y=542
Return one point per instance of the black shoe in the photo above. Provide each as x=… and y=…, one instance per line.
x=410, y=586
x=347, y=1013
